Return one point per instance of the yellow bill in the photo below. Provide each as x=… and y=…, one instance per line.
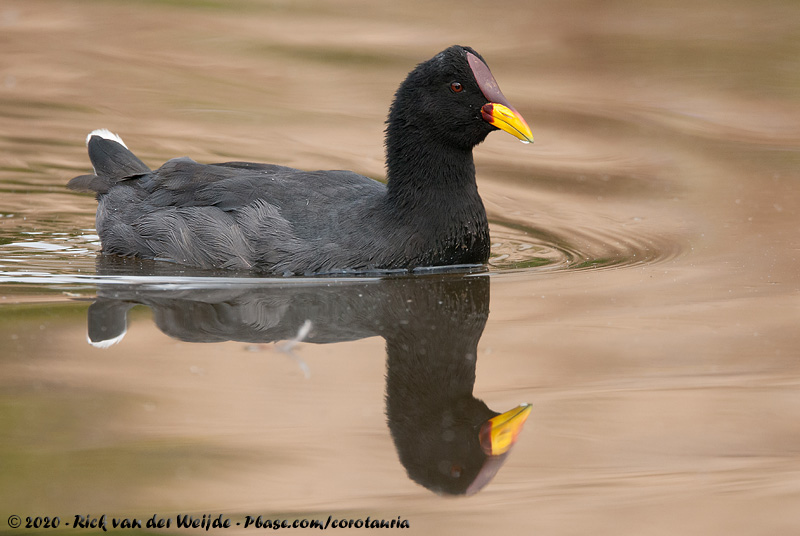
x=508, y=119
x=498, y=434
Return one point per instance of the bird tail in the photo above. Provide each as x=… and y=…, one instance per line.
x=108, y=322
x=112, y=162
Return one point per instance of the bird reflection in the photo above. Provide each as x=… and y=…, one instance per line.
x=448, y=440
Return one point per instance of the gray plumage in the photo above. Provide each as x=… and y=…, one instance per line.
x=274, y=219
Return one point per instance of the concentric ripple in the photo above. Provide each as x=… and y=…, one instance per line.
x=517, y=246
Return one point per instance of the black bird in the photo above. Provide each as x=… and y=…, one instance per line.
x=274, y=219
x=447, y=439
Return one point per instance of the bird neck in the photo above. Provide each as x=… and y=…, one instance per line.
x=432, y=343
x=422, y=170
x=432, y=197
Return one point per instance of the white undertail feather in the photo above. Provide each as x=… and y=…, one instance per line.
x=108, y=342
x=105, y=134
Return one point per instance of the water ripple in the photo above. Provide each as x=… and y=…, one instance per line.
x=519, y=246
x=56, y=257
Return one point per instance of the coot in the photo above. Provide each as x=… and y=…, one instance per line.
x=275, y=219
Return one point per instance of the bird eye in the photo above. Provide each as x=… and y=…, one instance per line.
x=455, y=470
x=456, y=87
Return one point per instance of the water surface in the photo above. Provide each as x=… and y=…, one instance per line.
x=642, y=293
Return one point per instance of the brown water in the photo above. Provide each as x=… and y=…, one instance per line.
x=644, y=284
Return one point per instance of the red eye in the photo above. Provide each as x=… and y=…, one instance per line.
x=456, y=87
